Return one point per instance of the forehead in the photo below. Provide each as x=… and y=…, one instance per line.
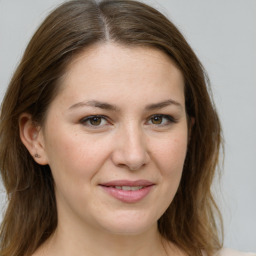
x=110, y=57
x=105, y=70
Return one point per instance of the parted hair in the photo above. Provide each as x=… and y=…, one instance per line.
x=192, y=221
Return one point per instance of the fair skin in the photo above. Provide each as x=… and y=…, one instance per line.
x=117, y=123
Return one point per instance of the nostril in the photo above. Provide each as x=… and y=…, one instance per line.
x=135, y=168
x=130, y=151
x=133, y=163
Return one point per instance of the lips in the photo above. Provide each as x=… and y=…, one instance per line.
x=143, y=183
x=128, y=191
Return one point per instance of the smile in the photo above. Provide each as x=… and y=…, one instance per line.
x=127, y=188
x=128, y=191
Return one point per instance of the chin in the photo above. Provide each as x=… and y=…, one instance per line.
x=128, y=230
x=129, y=224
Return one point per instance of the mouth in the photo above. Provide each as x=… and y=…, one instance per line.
x=128, y=191
x=128, y=188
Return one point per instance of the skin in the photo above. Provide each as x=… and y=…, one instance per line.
x=127, y=144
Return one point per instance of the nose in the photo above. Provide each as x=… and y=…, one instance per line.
x=131, y=149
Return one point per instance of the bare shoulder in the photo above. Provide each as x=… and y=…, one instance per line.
x=230, y=252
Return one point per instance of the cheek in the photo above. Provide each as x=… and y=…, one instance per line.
x=73, y=157
x=170, y=153
x=170, y=156
x=170, y=160
x=74, y=161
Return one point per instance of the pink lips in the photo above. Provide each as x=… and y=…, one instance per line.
x=128, y=196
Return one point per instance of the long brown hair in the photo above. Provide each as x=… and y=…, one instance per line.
x=192, y=219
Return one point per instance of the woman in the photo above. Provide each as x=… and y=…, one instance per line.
x=109, y=139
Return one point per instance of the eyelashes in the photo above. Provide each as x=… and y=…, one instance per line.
x=162, y=120
x=95, y=121
x=101, y=121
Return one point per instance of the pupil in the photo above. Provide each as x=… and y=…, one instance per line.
x=157, y=120
x=95, y=120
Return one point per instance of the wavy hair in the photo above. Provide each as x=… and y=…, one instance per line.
x=193, y=218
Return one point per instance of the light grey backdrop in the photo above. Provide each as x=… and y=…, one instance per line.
x=223, y=34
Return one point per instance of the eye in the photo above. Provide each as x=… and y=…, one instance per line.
x=161, y=120
x=94, y=121
x=156, y=119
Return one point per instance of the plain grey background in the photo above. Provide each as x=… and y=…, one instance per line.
x=223, y=35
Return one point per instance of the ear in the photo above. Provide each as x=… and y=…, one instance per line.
x=32, y=137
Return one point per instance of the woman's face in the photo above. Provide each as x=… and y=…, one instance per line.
x=115, y=138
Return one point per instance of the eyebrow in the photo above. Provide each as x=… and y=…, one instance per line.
x=96, y=104
x=163, y=104
x=107, y=106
